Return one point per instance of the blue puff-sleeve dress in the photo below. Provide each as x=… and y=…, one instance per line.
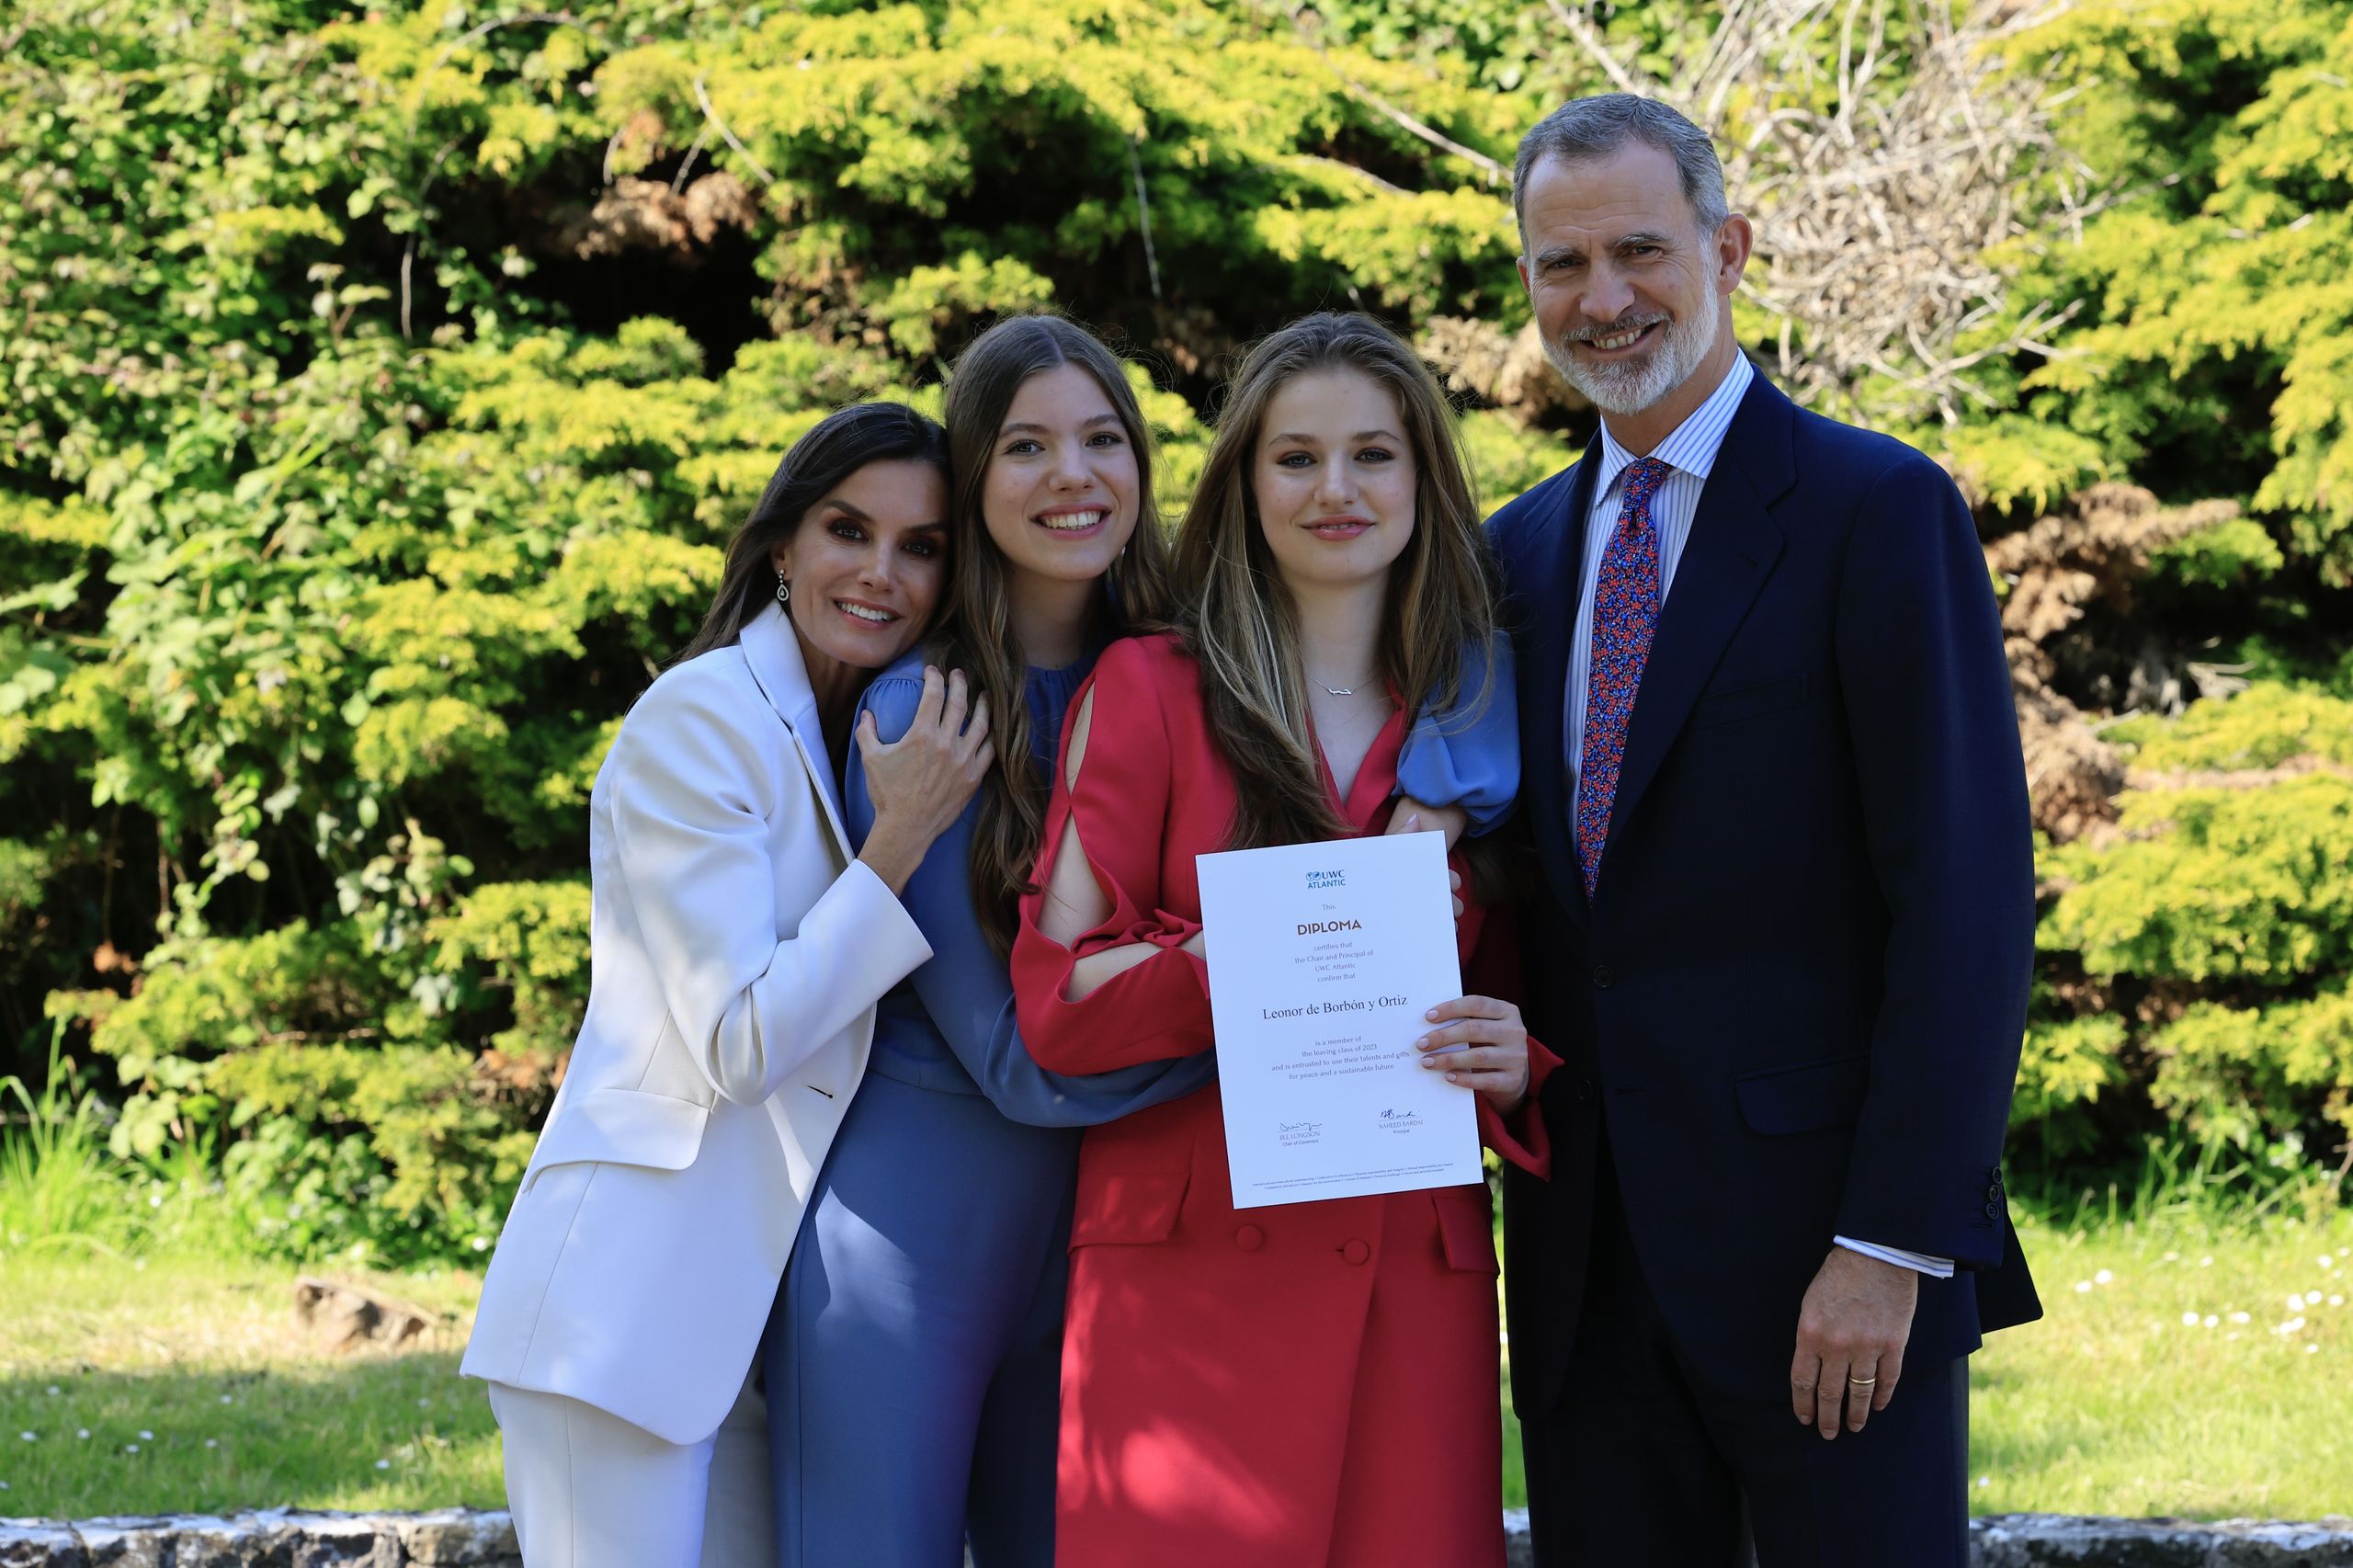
x=912, y=1362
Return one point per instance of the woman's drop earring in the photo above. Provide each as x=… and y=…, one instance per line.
x=783, y=590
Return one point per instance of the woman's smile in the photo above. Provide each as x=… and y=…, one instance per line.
x=1060, y=497
x=1347, y=527
x=866, y=614
x=1334, y=479
x=1074, y=521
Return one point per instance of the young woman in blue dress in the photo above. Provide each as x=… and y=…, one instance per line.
x=913, y=1359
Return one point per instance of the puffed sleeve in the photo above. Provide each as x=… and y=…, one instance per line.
x=1159, y=1008
x=1468, y=755
x=696, y=790
x=965, y=987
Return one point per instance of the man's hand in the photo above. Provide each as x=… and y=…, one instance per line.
x=1851, y=1333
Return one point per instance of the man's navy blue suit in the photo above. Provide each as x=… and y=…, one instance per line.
x=1792, y=1008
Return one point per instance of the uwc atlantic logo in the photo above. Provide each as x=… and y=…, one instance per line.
x=1325, y=882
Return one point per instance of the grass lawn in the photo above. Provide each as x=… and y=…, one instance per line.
x=172, y=1383
x=2174, y=1372
x=2160, y=1380
x=2180, y=1371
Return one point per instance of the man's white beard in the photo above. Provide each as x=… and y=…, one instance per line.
x=1629, y=386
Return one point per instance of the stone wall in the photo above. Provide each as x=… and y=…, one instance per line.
x=2033, y=1540
x=459, y=1537
x=277, y=1537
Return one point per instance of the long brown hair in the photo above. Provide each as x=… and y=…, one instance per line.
x=829, y=452
x=976, y=633
x=1239, y=621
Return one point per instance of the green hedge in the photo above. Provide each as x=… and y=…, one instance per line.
x=376, y=390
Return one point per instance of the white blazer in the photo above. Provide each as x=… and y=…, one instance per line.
x=737, y=952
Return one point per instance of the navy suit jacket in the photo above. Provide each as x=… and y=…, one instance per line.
x=1797, y=995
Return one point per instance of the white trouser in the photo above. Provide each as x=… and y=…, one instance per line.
x=588, y=1490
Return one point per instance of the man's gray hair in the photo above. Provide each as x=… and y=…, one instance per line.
x=1583, y=130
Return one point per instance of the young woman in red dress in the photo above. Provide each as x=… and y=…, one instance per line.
x=1311, y=1383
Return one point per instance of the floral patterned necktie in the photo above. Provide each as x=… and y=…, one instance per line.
x=1625, y=614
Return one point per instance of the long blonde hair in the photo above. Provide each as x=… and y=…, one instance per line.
x=976, y=633
x=1239, y=621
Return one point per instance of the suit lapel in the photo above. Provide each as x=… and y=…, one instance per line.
x=1548, y=575
x=1731, y=550
x=774, y=655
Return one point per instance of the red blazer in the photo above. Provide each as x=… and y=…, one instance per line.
x=1306, y=1383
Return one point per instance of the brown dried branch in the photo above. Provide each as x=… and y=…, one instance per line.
x=1873, y=215
x=1582, y=29
x=644, y=214
x=703, y=96
x=1489, y=170
x=2072, y=775
x=2234, y=777
x=1507, y=373
x=1318, y=160
x=2092, y=552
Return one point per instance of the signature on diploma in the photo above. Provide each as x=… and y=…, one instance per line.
x=1304, y=1127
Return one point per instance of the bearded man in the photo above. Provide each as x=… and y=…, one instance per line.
x=1774, y=781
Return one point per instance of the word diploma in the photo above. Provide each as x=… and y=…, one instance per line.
x=1322, y=958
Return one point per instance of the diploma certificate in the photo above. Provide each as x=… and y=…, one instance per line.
x=1322, y=958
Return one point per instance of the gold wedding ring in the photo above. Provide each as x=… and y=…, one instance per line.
x=1862, y=1383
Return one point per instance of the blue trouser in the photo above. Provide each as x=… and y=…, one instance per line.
x=914, y=1358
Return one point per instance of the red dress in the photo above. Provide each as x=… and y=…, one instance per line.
x=1311, y=1383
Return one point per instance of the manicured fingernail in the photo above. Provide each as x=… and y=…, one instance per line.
x=1431, y=1014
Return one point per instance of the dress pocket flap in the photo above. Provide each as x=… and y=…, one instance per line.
x=1129, y=1207
x=1749, y=701
x=1806, y=1097
x=1466, y=1229
x=623, y=1127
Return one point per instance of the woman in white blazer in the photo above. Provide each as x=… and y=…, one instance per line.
x=738, y=949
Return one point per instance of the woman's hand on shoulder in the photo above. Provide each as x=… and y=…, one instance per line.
x=1410, y=815
x=1480, y=1043
x=920, y=783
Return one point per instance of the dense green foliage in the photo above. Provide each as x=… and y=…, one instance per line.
x=2199, y=955
x=377, y=387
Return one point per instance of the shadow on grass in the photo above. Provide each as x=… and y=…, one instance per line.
x=368, y=1432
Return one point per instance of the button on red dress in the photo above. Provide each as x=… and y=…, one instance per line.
x=1310, y=1384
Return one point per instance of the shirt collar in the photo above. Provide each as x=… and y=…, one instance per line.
x=1691, y=446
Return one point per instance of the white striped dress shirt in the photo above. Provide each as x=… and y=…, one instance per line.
x=1690, y=452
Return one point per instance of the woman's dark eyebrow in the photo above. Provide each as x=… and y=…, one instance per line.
x=853, y=513
x=1359, y=435
x=1025, y=428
